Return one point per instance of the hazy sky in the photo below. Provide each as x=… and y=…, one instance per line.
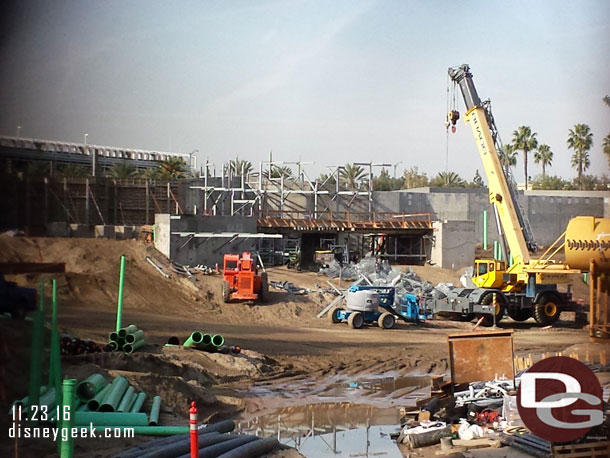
x=329, y=81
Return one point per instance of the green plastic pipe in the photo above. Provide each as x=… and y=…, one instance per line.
x=117, y=390
x=484, y=229
x=47, y=399
x=55, y=355
x=119, y=305
x=126, y=398
x=134, y=336
x=111, y=418
x=25, y=401
x=128, y=330
x=218, y=340
x=88, y=388
x=131, y=402
x=150, y=430
x=83, y=408
x=207, y=339
x=36, y=353
x=97, y=400
x=130, y=348
x=114, y=345
x=137, y=405
x=154, y=411
x=113, y=336
x=66, y=448
x=194, y=339
x=496, y=245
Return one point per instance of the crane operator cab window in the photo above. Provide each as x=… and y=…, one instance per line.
x=484, y=267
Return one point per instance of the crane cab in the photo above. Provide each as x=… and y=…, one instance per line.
x=488, y=273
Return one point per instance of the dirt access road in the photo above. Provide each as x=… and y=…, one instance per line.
x=286, y=345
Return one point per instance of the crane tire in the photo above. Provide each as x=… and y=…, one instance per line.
x=547, y=311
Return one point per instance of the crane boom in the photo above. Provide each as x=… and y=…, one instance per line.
x=478, y=115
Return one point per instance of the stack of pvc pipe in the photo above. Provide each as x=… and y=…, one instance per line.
x=126, y=339
x=204, y=341
x=113, y=404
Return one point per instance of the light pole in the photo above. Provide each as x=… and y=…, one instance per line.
x=18, y=131
x=396, y=165
x=193, y=167
x=86, y=135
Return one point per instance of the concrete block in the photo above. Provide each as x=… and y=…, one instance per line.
x=81, y=230
x=58, y=229
x=104, y=231
x=125, y=232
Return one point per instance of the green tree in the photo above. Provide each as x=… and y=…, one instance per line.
x=606, y=148
x=122, y=169
x=150, y=173
x=524, y=140
x=413, y=179
x=240, y=166
x=351, y=175
x=592, y=183
x=278, y=172
x=172, y=168
x=544, y=157
x=606, y=100
x=580, y=139
x=74, y=171
x=477, y=181
x=448, y=180
x=383, y=182
x=508, y=157
x=551, y=182
x=324, y=176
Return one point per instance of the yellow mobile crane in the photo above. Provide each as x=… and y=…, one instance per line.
x=527, y=287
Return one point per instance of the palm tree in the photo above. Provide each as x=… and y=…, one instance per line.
x=240, y=167
x=121, y=170
x=351, y=175
x=74, y=171
x=606, y=100
x=606, y=147
x=448, y=180
x=544, y=157
x=172, y=168
x=524, y=140
x=278, y=172
x=580, y=140
x=150, y=173
x=508, y=157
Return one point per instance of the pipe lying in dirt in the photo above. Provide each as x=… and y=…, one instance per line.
x=179, y=448
x=154, y=411
x=427, y=438
x=110, y=419
x=214, y=451
x=134, y=336
x=194, y=339
x=95, y=403
x=130, y=348
x=218, y=340
x=87, y=389
x=126, y=399
x=173, y=340
x=117, y=390
x=137, y=405
x=253, y=449
x=225, y=426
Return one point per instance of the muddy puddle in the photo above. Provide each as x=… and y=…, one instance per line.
x=351, y=415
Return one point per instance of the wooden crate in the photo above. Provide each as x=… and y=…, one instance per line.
x=588, y=450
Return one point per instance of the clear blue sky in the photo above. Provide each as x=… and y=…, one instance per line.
x=329, y=81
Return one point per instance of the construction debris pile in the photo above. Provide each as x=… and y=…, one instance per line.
x=69, y=345
x=376, y=272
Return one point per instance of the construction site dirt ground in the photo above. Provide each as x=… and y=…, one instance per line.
x=290, y=358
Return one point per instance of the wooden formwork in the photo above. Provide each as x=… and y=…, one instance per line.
x=587, y=450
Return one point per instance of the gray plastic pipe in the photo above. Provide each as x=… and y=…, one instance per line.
x=253, y=449
x=179, y=448
x=214, y=451
x=225, y=426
